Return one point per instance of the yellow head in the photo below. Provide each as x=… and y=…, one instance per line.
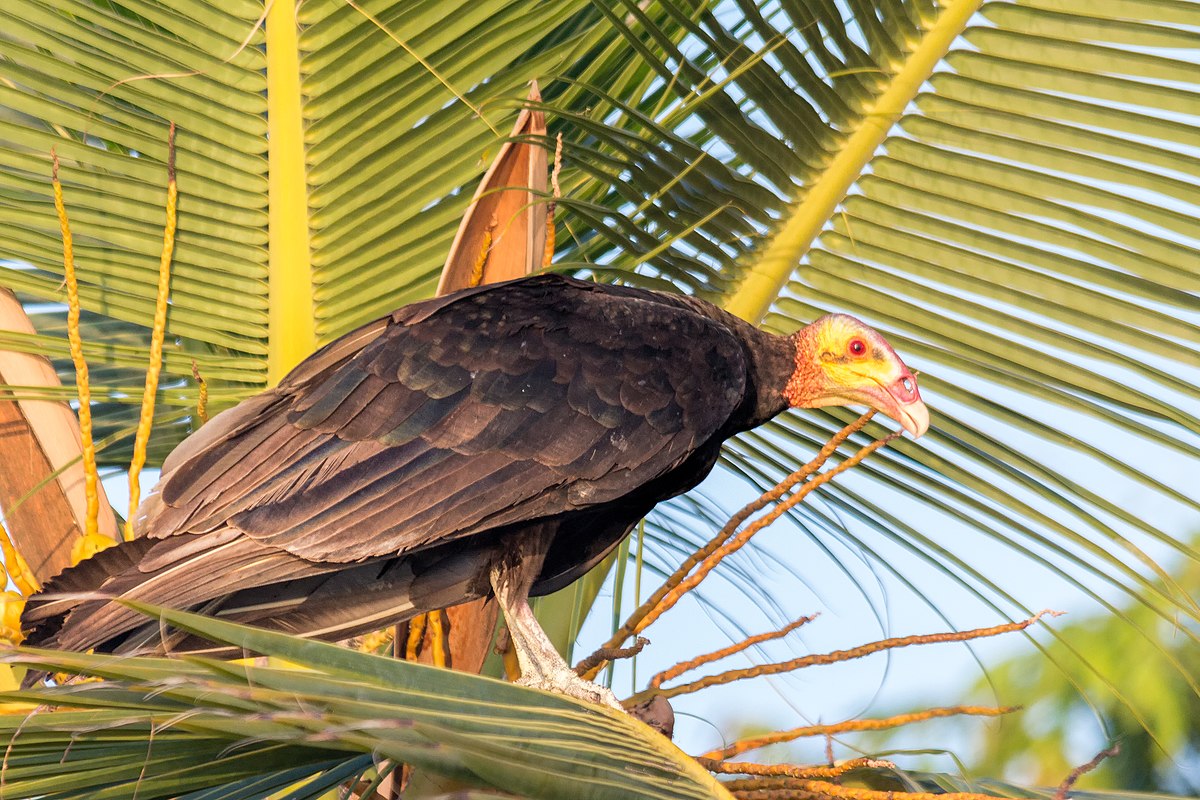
x=840, y=361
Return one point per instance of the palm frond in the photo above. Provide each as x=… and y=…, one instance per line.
x=160, y=726
x=1021, y=227
x=1007, y=190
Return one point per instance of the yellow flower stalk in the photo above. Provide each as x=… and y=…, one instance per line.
x=437, y=637
x=91, y=475
x=11, y=606
x=87, y=546
x=202, y=399
x=416, y=632
x=158, y=332
x=17, y=570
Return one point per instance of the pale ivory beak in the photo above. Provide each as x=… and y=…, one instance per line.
x=906, y=406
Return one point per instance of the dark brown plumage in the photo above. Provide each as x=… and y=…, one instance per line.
x=390, y=473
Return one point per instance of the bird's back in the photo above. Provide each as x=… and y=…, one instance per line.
x=373, y=482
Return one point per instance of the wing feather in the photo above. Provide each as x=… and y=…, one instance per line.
x=529, y=399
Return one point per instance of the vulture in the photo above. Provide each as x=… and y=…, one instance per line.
x=498, y=440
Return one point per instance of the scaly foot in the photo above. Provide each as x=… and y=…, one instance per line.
x=566, y=682
x=541, y=665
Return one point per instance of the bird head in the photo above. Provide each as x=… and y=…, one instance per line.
x=841, y=361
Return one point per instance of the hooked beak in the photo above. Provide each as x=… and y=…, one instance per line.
x=901, y=400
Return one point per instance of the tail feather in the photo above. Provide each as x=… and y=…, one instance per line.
x=369, y=597
x=76, y=610
x=237, y=579
x=45, y=611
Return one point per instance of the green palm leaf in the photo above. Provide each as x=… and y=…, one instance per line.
x=1027, y=250
x=214, y=723
x=1007, y=190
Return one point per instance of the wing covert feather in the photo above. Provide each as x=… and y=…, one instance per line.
x=528, y=399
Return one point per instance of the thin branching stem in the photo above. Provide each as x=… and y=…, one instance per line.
x=768, y=789
x=652, y=608
x=852, y=726
x=730, y=547
x=710, y=563
x=1064, y=788
x=605, y=655
x=416, y=634
x=835, y=657
x=792, y=770
x=772, y=788
x=716, y=655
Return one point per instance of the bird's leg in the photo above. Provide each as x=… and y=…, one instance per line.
x=541, y=665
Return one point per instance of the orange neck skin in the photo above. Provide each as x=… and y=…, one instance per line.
x=807, y=382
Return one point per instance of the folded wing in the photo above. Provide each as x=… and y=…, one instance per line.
x=529, y=400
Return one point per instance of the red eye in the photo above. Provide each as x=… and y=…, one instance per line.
x=858, y=347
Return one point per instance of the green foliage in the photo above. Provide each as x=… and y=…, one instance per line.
x=1026, y=236
x=158, y=727
x=1033, y=306
x=1141, y=696
x=1157, y=725
x=933, y=782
